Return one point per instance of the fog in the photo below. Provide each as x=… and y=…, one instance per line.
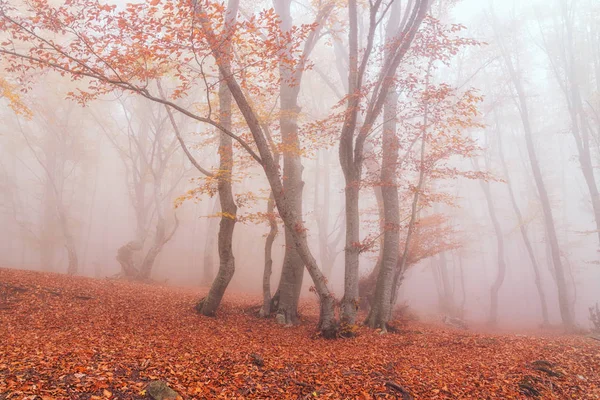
x=102, y=187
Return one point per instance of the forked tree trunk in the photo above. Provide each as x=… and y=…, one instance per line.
x=292, y=221
x=351, y=150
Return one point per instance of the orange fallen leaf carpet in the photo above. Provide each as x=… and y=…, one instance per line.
x=80, y=338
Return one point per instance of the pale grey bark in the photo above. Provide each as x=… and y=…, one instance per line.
x=292, y=272
x=351, y=148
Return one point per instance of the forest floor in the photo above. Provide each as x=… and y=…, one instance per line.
x=80, y=338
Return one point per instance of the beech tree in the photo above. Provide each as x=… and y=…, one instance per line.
x=149, y=154
x=522, y=105
x=126, y=44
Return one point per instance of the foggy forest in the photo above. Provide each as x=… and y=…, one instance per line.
x=359, y=199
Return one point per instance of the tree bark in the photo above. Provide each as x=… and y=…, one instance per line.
x=208, y=263
x=292, y=272
x=381, y=310
x=208, y=306
x=292, y=221
x=265, y=311
x=351, y=150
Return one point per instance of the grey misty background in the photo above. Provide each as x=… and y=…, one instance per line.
x=88, y=151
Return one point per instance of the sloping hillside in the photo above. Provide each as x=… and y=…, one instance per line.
x=81, y=338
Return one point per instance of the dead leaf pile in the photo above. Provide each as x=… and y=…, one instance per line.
x=79, y=338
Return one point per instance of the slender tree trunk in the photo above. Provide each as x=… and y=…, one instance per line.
x=208, y=306
x=381, y=310
x=352, y=174
x=524, y=236
x=501, y=273
x=292, y=273
x=580, y=128
x=565, y=311
x=563, y=298
x=398, y=275
x=327, y=247
x=266, y=307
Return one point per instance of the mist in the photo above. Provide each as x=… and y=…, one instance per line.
x=497, y=211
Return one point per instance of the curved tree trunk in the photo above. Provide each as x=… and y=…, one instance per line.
x=208, y=306
x=125, y=258
x=160, y=239
x=292, y=221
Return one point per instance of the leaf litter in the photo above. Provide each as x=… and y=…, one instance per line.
x=79, y=338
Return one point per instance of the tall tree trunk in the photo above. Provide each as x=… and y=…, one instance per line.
x=580, y=128
x=524, y=235
x=381, y=309
x=292, y=272
x=90, y=218
x=208, y=306
x=351, y=151
x=501, y=273
x=400, y=270
x=352, y=175
x=563, y=299
x=327, y=321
